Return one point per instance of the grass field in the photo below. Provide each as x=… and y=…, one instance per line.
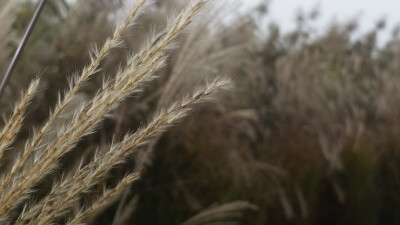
x=182, y=116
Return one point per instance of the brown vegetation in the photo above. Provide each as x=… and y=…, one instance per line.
x=308, y=134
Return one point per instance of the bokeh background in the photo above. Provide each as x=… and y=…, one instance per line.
x=308, y=135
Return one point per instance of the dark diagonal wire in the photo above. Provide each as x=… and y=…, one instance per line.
x=21, y=46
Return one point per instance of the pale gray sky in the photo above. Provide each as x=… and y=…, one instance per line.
x=284, y=12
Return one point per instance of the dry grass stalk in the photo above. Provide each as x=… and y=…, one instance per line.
x=106, y=196
x=221, y=214
x=11, y=129
x=17, y=183
x=69, y=191
x=201, y=51
x=96, y=58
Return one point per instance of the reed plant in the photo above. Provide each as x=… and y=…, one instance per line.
x=41, y=155
x=309, y=134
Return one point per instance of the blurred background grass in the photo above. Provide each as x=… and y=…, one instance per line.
x=310, y=133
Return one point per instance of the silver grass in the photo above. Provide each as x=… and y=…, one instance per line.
x=68, y=192
x=48, y=145
x=12, y=127
x=16, y=185
x=96, y=57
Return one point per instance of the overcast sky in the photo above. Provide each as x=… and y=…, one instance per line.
x=284, y=12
